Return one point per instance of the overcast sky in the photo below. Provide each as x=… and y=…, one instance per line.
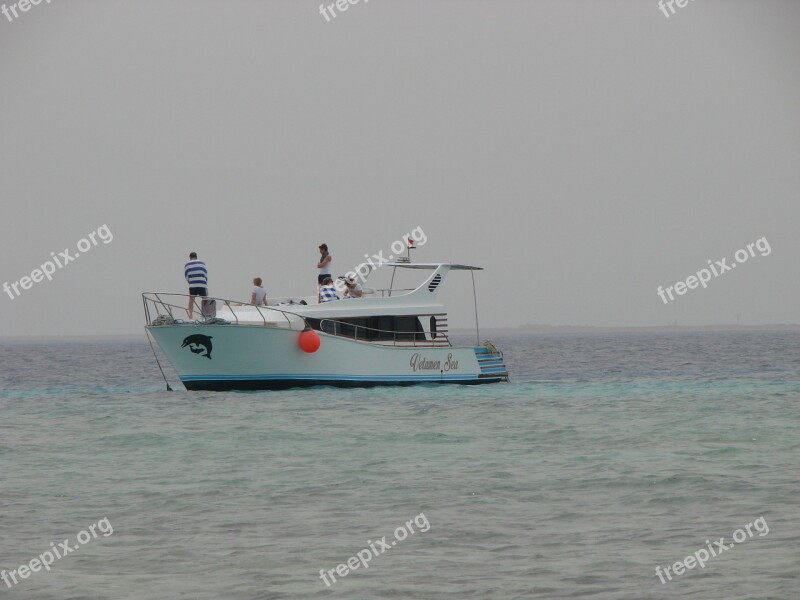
x=583, y=151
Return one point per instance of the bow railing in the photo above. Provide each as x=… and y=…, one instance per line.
x=156, y=302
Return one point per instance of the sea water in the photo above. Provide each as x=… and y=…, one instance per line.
x=606, y=456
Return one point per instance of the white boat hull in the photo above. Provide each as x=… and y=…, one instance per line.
x=248, y=357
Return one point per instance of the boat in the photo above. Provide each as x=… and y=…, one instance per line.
x=387, y=337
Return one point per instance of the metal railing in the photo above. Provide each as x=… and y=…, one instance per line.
x=387, y=292
x=385, y=335
x=155, y=300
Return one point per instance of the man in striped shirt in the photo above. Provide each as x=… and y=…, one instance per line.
x=196, y=276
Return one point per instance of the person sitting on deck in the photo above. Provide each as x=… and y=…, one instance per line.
x=259, y=295
x=327, y=291
x=352, y=288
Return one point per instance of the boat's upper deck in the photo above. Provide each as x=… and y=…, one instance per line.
x=390, y=315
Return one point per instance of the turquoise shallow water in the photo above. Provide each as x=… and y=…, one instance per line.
x=606, y=456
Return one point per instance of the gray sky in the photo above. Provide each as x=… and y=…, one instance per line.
x=583, y=152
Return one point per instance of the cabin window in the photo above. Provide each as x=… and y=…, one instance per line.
x=372, y=328
x=354, y=328
x=409, y=328
x=386, y=327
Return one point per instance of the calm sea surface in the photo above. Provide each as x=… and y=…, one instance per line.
x=606, y=456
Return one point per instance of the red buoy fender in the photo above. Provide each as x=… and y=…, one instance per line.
x=309, y=340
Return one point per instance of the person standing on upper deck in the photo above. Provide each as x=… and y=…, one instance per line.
x=196, y=276
x=324, y=264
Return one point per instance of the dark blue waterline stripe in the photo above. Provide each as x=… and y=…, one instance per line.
x=436, y=377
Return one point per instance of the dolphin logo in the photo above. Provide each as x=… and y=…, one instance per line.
x=198, y=343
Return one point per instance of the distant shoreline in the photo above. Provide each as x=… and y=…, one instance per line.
x=544, y=329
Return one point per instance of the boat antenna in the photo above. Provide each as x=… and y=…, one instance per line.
x=410, y=245
x=169, y=389
x=475, y=300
